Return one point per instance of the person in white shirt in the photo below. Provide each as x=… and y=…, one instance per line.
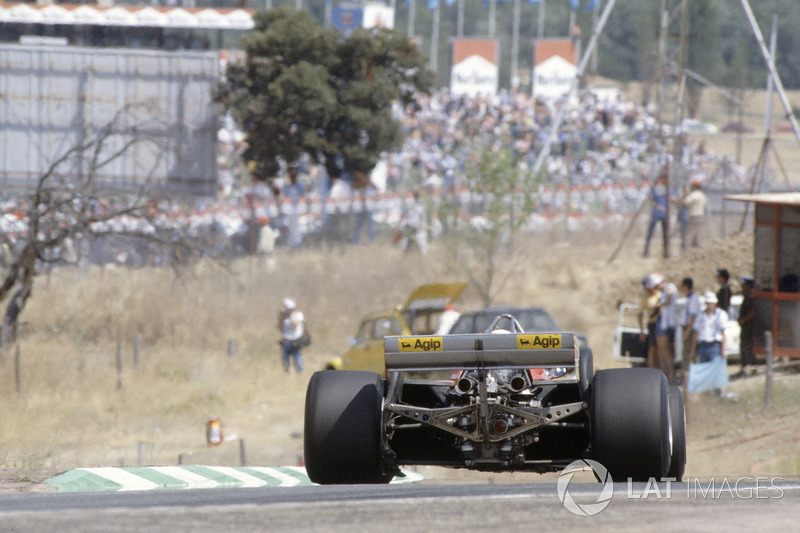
x=291, y=324
x=710, y=327
x=695, y=203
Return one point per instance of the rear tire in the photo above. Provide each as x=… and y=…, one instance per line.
x=630, y=423
x=343, y=427
x=677, y=415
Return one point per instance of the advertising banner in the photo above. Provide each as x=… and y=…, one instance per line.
x=555, y=64
x=347, y=18
x=475, y=67
x=378, y=16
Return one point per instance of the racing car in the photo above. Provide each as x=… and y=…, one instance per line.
x=501, y=400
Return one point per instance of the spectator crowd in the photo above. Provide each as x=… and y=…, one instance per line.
x=607, y=155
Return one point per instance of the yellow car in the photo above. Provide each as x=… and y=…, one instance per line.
x=420, y=315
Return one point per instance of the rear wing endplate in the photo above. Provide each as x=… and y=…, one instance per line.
x=481, y=350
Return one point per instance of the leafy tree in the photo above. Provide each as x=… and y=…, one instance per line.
x=500, y=204
x=302, y=89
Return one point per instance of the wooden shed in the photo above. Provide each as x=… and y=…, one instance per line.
x=777, y=270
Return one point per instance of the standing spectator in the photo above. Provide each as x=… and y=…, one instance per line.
x=665, y=329
x=695, y=203
x=362, y=206
x=658, y=213
x=649, y=313
x=747, y=315
x=688, y=323
x=448, y=318
x=710, y=328
x=416, y=225
x=683, y=217
x=291, y=324
x=724, y=292
x=293, y=190
x=712, y=372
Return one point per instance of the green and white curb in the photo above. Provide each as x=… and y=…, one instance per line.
x=186, y=477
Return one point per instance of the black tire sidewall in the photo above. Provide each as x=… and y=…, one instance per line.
x=343, y=427
x=630, y=423
x=677, y=415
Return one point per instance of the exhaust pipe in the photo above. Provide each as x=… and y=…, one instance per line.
x=517, y=383
x=464, y=385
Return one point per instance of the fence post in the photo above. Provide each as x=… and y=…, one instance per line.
x=3, y=336
x=18, y=370
x=119, y=365
x=242, y=455
x=769, y=361
x=232, y=355
x=140, y=450
x=137, y=348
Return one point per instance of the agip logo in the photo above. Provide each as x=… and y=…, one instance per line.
x=420, y=344
x=539, y=342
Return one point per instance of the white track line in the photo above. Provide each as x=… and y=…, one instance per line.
x=192, y=480
x=246, y=479
x=286, y=479
x=128, y=480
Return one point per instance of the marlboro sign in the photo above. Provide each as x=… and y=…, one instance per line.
x=555, y=66
x=475, y=67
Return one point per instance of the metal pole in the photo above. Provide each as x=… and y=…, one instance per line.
x=559, y=118
x=595, y=12
x=769, y=361
x=412, y=13
x=18, y=370
x=662, y=47
x=492, y=17
x=540, y=28
x=515, y=42
x=119, y=365
x=773, y=38
x=137, y=348
x=571, y=29
x=435, y=38
x=678, y=121
x=771, y=66
x=460, y=20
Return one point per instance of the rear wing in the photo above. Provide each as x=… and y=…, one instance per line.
x=481, y=350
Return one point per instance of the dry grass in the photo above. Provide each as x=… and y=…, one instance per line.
x=70, y=412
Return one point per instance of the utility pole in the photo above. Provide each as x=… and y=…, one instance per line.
x=677, y=141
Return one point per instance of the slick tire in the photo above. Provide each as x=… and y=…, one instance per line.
x=630, y=423
x=677, y=415
x=343, y=427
